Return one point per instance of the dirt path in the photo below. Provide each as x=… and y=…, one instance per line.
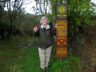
x=23, y=45
x=88, y=52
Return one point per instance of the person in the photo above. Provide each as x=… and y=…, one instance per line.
x=44, y=33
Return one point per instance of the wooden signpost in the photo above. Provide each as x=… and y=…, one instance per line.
x=62, y=30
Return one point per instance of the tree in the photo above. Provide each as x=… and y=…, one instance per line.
x=14, y=7
x=41, y=7
x=78, y=17
x=2, y=5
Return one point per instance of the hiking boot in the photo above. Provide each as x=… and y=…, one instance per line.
x=43, y=70
x=46, y=67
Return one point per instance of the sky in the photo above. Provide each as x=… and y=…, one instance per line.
x=33, y=4
x=93, y=1
x=28, y=8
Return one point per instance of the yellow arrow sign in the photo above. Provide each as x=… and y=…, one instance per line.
x=61, y=40
x=58, y=43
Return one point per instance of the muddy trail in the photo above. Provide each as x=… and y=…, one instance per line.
x=23, y=45
x=88, y=52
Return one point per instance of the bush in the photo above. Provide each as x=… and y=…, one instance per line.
x=5, y=34
x=4, y=28
x=69, y=64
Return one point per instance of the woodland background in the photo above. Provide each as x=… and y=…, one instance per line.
x=18, y=45
x=15, y=21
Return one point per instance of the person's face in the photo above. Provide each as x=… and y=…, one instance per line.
x=44, y=21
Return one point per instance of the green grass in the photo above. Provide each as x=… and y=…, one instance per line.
x=19, y=61
x=69, y=64
x=13, y=59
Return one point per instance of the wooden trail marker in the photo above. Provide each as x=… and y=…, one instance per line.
x=62, y=41
x=61, y=30
x=61, y=51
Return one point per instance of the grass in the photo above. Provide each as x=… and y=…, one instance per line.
x=69, y=64
x=13, y=59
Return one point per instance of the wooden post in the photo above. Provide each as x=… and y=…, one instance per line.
x=61, y=58
x=61, y=30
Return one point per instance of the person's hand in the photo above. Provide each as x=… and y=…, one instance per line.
x=56, y=25
x=35, y=29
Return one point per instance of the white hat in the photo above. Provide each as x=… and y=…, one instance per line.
x=44, y=17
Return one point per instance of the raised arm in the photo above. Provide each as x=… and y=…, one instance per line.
x=36, y=32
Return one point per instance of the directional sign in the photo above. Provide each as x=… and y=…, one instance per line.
x=61, y=27
x=62, y=41
x=61, y=30
x=62, y=52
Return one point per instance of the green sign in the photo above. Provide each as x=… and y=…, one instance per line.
x=61, y=12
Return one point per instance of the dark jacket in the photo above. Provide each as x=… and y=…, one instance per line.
x=45, y=37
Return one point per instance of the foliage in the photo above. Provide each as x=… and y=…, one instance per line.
x=69, y=64
x=78, y=15
x=5, y=34
x=29, y=23
x=23, y=24
x=0, y=36
x=4, y=28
